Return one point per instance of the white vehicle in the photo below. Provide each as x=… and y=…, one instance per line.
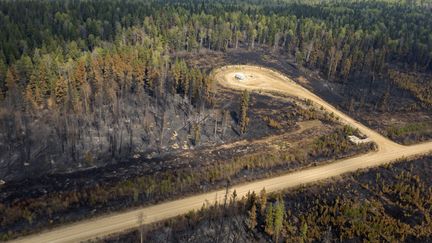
x=240, y=76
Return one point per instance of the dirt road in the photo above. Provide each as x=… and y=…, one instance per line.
x=257, y=79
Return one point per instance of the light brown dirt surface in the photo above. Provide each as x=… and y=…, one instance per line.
x=257, y=79
x=264, y=79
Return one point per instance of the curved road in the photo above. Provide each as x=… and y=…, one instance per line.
x=257, y=79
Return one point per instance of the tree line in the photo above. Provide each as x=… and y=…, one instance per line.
x=336, y=36
x=100, y=103
x=59, y=59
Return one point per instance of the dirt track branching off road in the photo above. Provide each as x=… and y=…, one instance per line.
x=259, y=79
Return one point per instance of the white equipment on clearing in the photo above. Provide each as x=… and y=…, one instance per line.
x=240, y=76
x=357, y=140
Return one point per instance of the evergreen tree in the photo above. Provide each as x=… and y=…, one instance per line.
x=252, y=217
x=11, y=80
x=269, y=220
x=263, y=201
x=60, y=91
x=279, y=211
x=304, y=231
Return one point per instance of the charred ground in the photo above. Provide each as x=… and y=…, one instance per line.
x=395, y=103
x=383, y=204
x=284, y=134
x=99, y=111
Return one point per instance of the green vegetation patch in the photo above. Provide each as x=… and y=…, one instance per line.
x=419, y=131
x=386, y=204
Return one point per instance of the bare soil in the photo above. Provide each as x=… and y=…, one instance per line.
x=387, y=152
x=378, y=188
x=361, y=98
x=297, y=132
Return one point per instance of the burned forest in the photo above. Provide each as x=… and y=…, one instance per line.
x=113, y=110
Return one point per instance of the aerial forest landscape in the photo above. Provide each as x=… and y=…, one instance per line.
x=215, y=121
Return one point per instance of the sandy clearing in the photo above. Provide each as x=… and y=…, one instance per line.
x=261, y=79
x=268, y=80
